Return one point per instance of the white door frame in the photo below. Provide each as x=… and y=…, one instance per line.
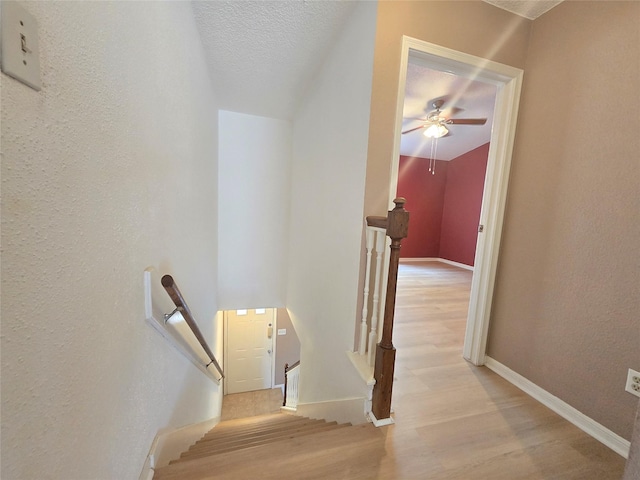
x=508, y=81
x=274, y=317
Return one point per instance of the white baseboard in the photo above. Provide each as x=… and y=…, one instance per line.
x=341, y=411
x=612, y=440
x=382, y=422
x=436, y=259
x=170, y=443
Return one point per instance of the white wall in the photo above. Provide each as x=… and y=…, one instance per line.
x=329, y=160
x=254, y=175
x=109, y=169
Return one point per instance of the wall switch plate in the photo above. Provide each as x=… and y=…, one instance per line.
x=20, y=51
x=282, y=331
x=633, y=382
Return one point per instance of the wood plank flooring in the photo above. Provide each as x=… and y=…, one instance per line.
x=454, y=421
x=458, y=421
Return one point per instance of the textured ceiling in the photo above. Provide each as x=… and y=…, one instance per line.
x=263, y=54
x=530, y=9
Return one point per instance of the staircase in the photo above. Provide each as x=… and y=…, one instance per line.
x=274, y=446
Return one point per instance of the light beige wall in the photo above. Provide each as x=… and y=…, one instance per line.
x=471, y=27
x=567, y=299
x=109, y=169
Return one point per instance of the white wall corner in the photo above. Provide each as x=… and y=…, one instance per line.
x=588, y=425
x=349, y=410
x=170, y=443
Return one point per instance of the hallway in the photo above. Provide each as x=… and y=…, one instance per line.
x=455, y=420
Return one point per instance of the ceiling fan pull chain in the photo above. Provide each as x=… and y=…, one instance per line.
x=435, y=154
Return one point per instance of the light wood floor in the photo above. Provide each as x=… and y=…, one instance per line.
x=453, y=420
x=458, y=421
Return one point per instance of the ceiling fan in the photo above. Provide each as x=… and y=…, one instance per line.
x=435, y=122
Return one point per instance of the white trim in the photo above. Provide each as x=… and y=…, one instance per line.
x=382, y=422
x=509, y=82
x=274, y=342
x=437, y=259
x=612, y=440
x=168, y=444
x=362, y=366
x=457, y=264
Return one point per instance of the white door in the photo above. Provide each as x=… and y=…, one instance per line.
x=249, y=336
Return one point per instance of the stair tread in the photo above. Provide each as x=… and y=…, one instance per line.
x=232, y=440
x=219, y=450
x=299, y=454
x=246, y=430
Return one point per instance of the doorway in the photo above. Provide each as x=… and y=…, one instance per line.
x=249, y=349
x=508, y=82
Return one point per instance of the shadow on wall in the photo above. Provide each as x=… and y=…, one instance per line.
x=287, y=344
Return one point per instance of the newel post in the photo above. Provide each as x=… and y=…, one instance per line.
x=397, y=228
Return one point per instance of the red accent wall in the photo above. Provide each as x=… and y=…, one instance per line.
x=445, y=207
x=425, y=199
x=462, y=204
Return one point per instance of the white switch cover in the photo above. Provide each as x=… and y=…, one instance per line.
x=282, y=331
x=20, y=52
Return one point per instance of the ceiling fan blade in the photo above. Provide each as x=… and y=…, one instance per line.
x=413, y=129
x=467, y=121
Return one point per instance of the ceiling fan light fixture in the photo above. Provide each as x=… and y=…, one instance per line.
x=437, y=130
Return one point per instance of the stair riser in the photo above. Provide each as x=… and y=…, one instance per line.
x=235, y=438
x=234, y=434
x=188, y=456
x=211, y=446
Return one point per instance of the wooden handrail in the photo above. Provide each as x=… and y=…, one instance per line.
x=286, y=370
x=397, y=229
x=378, y=222
x=172, y=289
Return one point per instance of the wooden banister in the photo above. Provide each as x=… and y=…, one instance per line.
x=172, y=289
x=397, y=228
x=378, y=222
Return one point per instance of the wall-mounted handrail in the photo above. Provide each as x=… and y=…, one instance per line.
x=172, y=289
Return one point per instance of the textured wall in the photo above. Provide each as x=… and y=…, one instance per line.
x=254, y=176
x=567, y=298
x=329, y=159
x=425, y=198
x=445, y=207
x=462, y=205
x=632, y=468
x=107, y=170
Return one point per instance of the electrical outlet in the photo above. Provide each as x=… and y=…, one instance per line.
x=633, y=382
